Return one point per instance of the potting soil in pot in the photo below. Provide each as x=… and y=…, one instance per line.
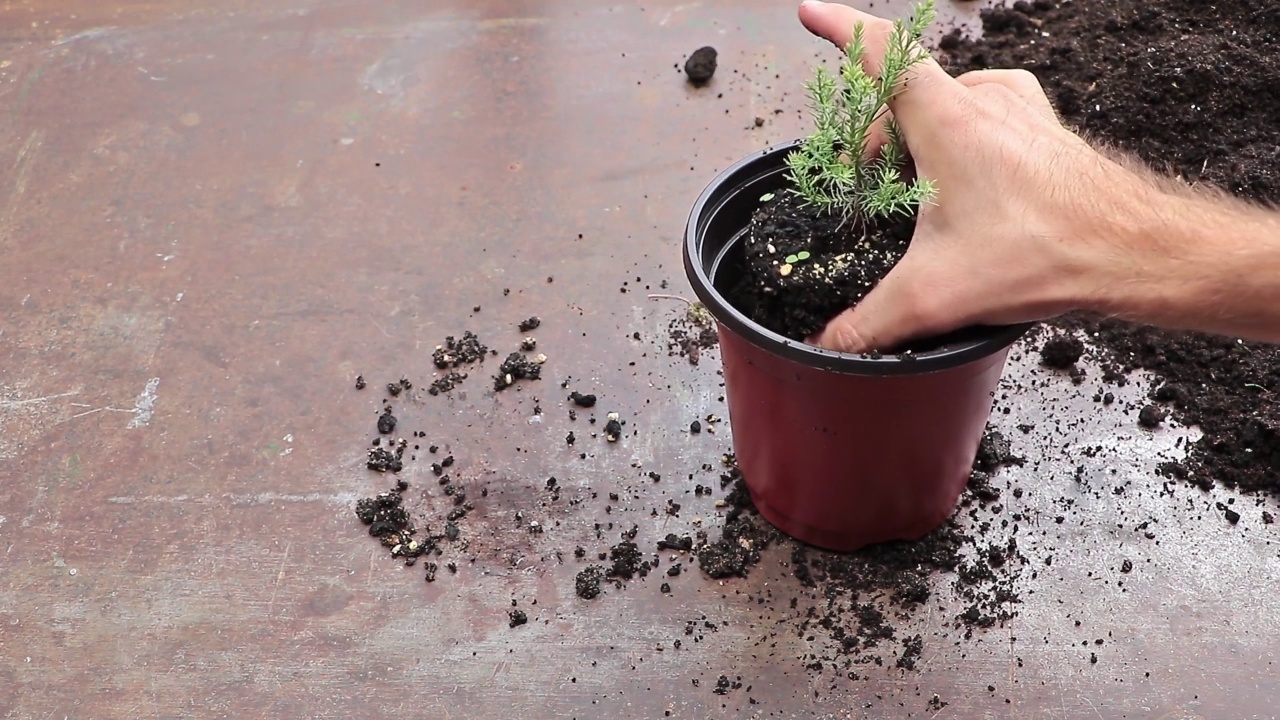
x=801, y=267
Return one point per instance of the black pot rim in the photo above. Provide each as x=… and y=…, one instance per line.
x=984, y=340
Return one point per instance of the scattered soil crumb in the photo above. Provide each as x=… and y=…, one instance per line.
x=912, y=647
x=456, y=352
x=701, y=65
x=516, y=367
x=1061, y=351
x=587, y=583
x=693, y=332
x=1151, y=416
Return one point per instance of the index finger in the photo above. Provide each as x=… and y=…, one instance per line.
x=926, y=86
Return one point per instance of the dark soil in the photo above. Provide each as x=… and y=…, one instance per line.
x=516, y=367
x=386, y=421
x=745, y=534
x=587, y=583
x=1061, y=351
x=453, y=353
x=701, y=65
x=797, y=297
x=859, y=594
x=447, y=382
x=627, y=561
x=387, y=459
x=995, y=451
x=612, y=430
x=1151, y=416
x=693, y=332
x=1190, y=87
x=912, y=647
x=383, y=514
x=676, y=542
x=456, y=352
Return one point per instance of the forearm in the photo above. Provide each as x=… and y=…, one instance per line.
x=1198, y=262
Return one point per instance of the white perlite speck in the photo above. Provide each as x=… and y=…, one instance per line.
x=145, y=405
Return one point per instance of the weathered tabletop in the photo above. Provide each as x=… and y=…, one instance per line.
x=214, y=215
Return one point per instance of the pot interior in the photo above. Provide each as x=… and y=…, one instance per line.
x=714, y=260
x=727, y=272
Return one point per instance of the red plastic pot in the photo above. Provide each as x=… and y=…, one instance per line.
x=838, y=450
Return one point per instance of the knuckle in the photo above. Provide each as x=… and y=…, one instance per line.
x=839, y=334
x=845, y=337
x=974, y=78
x=1023, y=78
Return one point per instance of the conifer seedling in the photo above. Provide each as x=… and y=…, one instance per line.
x=832, y=169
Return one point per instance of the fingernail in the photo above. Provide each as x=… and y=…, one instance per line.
x=812, y=3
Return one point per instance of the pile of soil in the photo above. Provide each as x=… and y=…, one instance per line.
x=803, y=266
x=860, y=595
x=1189, y=86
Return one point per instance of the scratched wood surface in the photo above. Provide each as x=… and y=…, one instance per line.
x=213, y=215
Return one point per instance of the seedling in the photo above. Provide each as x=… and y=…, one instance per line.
x=833, y=168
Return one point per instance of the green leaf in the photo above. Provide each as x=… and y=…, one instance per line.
x=766, y=197
x=802, y=255
x=831, y=169
x=792, y=259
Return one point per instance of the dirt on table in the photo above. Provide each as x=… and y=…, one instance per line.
x=1186, y=84
x=701, y=65
x=1061, y=351
x=691, y=332
x=859, y=595
x=1189, y=87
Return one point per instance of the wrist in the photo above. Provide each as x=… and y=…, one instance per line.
x=1181, y=258
x=1117, y=265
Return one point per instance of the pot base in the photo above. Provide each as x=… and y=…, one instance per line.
x=835, y=541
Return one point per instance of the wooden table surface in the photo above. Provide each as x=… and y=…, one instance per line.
x=214, y=215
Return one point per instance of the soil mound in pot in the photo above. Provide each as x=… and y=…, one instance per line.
x=1192, y=87
x=801, y=267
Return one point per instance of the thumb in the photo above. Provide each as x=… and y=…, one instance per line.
x=893, y=312
x=925, y=89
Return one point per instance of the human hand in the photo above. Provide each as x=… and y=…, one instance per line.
x=1029, y=221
